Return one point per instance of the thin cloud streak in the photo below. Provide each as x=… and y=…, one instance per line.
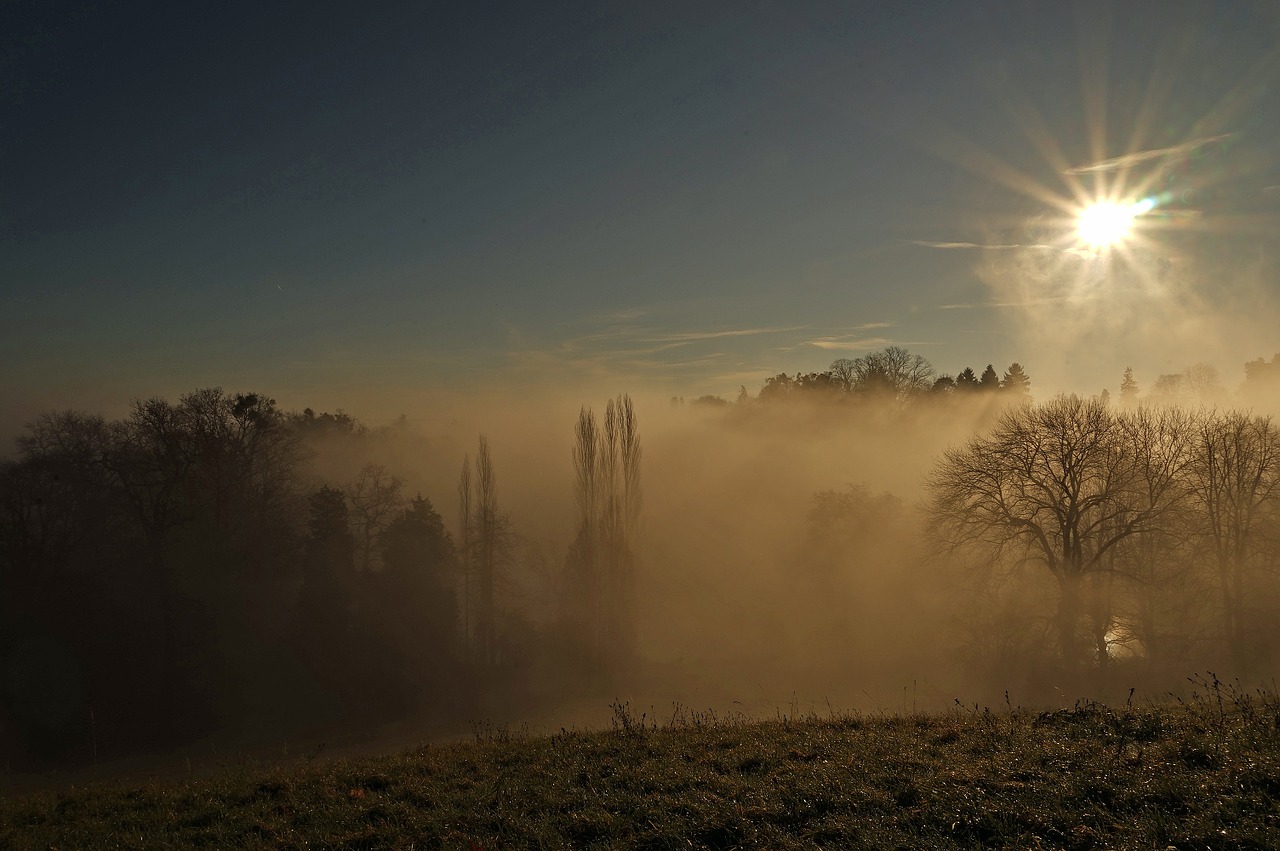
x=694, y=336
x=1031, y=302
x=1138, y=157
x=1072, y=250
x=830, y=344
x=987, y=246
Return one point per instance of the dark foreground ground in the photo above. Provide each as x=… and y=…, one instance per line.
x=1195, y=774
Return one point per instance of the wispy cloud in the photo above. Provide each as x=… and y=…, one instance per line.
x=629, y=314
x=696, y=336
x=844, y=345
x=617, y=345
x=990, y=246
x=1030, y=302
x=1138, y=157
x=1073, y=250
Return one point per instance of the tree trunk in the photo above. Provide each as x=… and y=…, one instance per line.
x=1068, y=619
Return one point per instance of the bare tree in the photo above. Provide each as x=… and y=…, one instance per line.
x=488, y=547
x=375, y=498
x=607, y=490
x=1170, y=389
x=466, y=543
x=844, y=371
x=1204, y=383
x=487, y=552
x=1054, y=485
x=587, y=475
x=623, y=479
x=1149, y=562
x=1235, y=475
x=893, y=371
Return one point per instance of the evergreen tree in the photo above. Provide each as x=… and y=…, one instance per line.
x=966, y=380
x=1016, y=380
x=990, y=381
x=1128, y=388
x=330, y=559
x=420, y=606
x=325, y=620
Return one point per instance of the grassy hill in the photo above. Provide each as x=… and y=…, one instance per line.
x=1203, y=772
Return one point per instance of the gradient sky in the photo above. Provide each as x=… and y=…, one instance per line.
x=368, y=204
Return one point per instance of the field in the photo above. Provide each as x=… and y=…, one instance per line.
x=1201, y=772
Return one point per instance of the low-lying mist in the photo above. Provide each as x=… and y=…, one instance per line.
x=216, y=568
x=778, y=551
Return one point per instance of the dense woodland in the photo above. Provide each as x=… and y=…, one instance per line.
x=191, y=567
x=185, y=569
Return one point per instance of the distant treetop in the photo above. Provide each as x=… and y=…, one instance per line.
x=1016, y=380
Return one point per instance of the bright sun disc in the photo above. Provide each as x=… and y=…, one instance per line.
x=1105, y=223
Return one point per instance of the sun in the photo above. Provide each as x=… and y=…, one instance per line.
x=1106, y=224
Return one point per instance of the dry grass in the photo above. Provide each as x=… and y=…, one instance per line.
x=1202, y=772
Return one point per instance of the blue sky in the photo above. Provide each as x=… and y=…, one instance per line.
x=352, y=205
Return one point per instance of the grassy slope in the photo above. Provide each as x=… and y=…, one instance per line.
x=1204, y=774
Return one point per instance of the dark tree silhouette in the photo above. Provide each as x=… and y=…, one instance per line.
x=1053, y=484
x=488, y=546
x=1235, y=479
x=844, y=372
x=1016, y=381
x=375, y=498
x=777, y=388
x=601, y=562
x=892, y=371
x=488, y=551
x=466, y=549
x=325, y=617
x=418, y=607
x=990, y=380
x=815, y=383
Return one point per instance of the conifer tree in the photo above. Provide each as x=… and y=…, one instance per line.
x=1128, y=388
x=1016, y=381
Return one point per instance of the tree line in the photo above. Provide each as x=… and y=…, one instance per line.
x=184, y=569
x=892, y=374
x=1149, y=532
x=901, y=377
